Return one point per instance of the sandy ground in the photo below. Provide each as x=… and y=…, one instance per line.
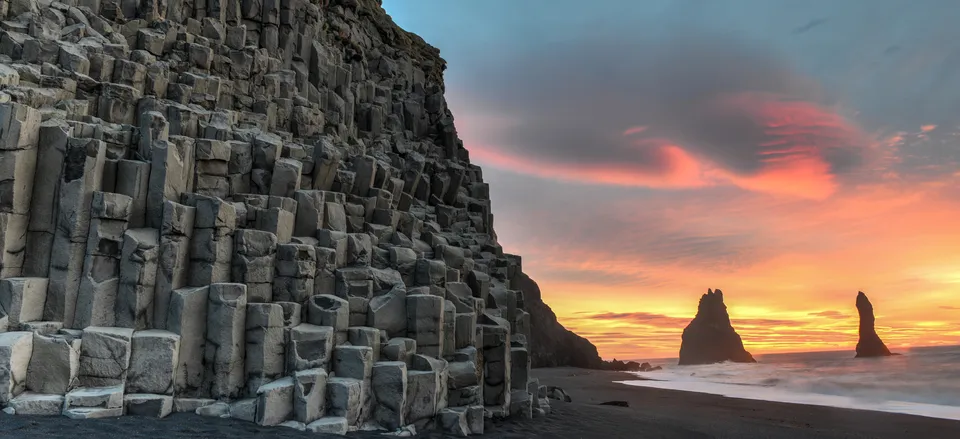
x=653, y=413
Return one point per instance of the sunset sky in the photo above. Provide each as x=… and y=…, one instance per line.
x=788, y=152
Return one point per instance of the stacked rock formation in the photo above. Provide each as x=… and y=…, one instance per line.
x=253, y=209
x=710, y=338
x=869, y=344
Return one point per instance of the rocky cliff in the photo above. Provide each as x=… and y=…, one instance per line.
x=869, y=344
x=710, y=338
x=248, y=208
x=552, y=345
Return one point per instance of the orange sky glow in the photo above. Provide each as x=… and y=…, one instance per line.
x=804, y=242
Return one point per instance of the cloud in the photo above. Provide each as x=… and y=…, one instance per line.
x=952, y=308
x=682, y=112
x=829, y=314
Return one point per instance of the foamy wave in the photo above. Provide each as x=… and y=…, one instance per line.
x=923, y=383
x=786, y=396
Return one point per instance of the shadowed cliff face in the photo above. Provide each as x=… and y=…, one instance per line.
x=869, y=344
x=710, y=338
x=552, y=344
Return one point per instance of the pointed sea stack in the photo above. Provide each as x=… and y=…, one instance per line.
x=710, y=338
x=869, y=344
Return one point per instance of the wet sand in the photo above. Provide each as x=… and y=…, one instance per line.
x=653, y=413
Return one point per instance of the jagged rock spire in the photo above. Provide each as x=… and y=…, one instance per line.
x=710, y=338
x=869, y=344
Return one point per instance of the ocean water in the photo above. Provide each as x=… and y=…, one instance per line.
x=923, y=381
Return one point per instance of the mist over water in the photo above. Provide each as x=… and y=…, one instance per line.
x=923, y=381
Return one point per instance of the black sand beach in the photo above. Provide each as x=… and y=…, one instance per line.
x=653, y=413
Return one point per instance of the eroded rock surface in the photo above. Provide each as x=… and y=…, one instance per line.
x=258, y=210
x=710, y=337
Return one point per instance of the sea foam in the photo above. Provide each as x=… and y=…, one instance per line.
x=923, y=381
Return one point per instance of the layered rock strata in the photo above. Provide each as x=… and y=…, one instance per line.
x=258, y=210
x=710, y=337
x=869, y=344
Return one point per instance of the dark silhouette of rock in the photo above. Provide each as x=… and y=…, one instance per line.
x=616, y=403
x=552, y=345
x=629, y=366
x=869, y=344
x=554, y=392
x=710, y=338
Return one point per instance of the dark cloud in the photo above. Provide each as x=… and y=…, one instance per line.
x=729, y=99
x=953, y=308
x=830, y=314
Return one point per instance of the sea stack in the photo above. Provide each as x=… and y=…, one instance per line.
x=870, y=344
x=710, y=338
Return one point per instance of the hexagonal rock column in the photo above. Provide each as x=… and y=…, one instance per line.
x=310, y=393
x=51, y=151
x=309, y=347
x=211, y=248
x=138, y=279
x=54, y=364
x=265, y=343
x=15, y=351
x=296, y=267
x=275, y=401
x=20, y=125
x=426, y=389
x=253, y=263
x=154, y=357
x=223, y=353
x=188, y=319
x=81, y=176
x=176, y=233
x=97, y=297
x=464, y=387
x=21, y=300
x=496, y=366
x=104, y=356
x=212, y=166
x=388, y=312
x=344, y=399
x=332, y=311
x=389, y=383
x=425, y=323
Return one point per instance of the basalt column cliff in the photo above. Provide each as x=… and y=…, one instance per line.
x=257, y=209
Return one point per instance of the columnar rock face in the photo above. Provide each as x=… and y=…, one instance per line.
x=710, y=338
x=256, y=210
x=869, y=344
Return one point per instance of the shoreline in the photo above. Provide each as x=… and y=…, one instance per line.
x=652, y=413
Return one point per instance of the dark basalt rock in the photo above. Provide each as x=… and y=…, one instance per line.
x=710, y=338
x=552, y=345
x=869, y=344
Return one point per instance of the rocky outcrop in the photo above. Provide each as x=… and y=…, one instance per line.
x=710, y=338
x=553, y=345
x=251, y=209
x=869, y=344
